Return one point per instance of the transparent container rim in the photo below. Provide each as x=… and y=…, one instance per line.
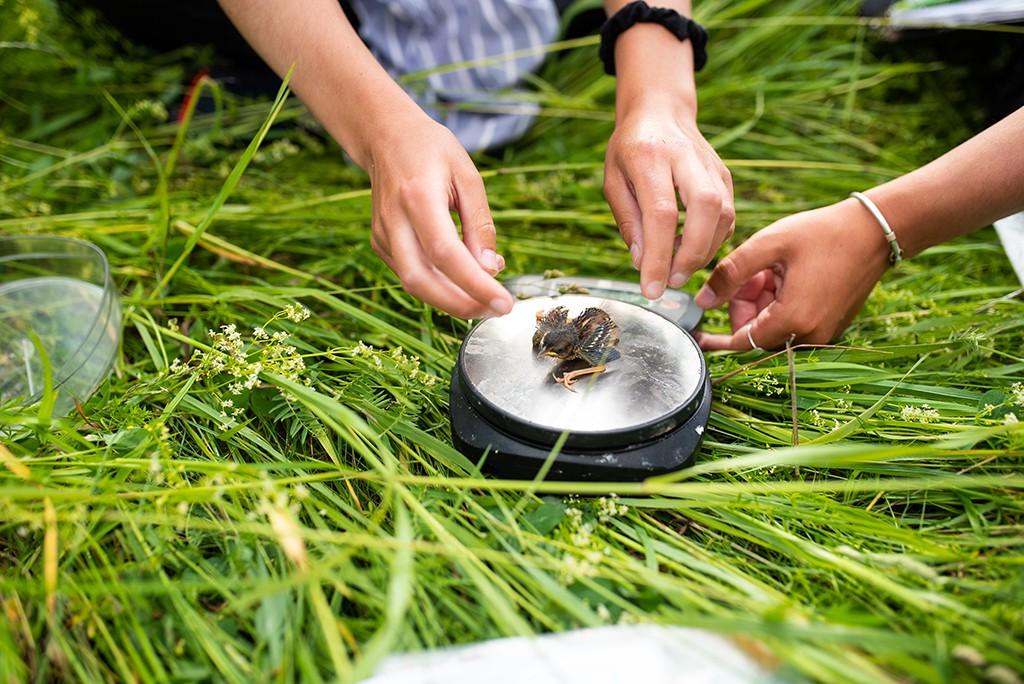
x=77, y=359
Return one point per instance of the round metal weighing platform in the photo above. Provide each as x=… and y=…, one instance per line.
x=643, y=416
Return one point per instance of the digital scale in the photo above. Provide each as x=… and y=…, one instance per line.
x=644, y=416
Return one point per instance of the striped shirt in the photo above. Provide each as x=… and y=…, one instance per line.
x=479, y=103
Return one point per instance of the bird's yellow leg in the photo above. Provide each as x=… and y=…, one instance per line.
x=569, y=379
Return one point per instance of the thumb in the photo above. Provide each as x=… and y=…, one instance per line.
x=477, y=224
x=733, y=272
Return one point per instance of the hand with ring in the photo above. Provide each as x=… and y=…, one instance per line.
x=801, y=279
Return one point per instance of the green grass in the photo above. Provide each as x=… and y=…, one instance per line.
x=330, y=523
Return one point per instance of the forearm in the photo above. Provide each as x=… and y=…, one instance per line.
x=653, y=66
x=966, y=189
x=335, y=75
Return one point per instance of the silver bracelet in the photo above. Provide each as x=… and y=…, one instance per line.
x=896, y=253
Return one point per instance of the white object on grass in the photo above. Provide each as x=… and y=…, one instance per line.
x=1011, y=232
x=966, y=12
x=650, y=654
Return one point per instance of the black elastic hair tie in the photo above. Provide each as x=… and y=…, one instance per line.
x=636, y=12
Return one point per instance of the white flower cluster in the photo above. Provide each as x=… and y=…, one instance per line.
x=822, y=422
x=586, y=555
x=1017, y=393
x=920, y=414
x=295, y=313
x=234, y=357
x=573, y=567
x=395, y=360
x=609, y=507
x=768, y=384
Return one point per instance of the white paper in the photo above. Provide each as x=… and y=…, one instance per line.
x=651, y=654
x=959, y=13
x=1011, y=232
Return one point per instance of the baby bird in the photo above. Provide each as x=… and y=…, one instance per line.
x=590, y=337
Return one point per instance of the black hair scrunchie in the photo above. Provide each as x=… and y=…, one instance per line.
x=681, y=27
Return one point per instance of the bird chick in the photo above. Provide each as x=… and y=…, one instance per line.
x=591, y=337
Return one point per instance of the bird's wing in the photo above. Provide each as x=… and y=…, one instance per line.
x=548, y=321
x=598, y=335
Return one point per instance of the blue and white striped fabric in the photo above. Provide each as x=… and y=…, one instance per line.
x=408, y=36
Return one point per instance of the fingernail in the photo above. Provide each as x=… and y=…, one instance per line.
x=654, y=290
x=501, y=263
x=705, y=298
x=634, y=251
x=678, y=279
x=489, y=260
x=500, y=307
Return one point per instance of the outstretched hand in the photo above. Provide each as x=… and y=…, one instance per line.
x=419, y=175
x=802, y=279
x=655, y=153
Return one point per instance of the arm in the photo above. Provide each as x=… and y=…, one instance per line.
x=773, y=282
x=418, y=170
x=967, y=188
x=657, y=152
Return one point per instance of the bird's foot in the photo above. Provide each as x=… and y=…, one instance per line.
x=569, y=379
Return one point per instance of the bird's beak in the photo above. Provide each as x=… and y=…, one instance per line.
x=550, y=353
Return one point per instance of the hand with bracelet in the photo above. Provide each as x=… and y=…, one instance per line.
x=806, y=276
x=656, y=152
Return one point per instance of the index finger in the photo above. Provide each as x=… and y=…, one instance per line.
x=659, y=218
x=440, y=240
x=702, y=194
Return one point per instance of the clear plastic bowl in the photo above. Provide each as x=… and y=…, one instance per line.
x=57, y=304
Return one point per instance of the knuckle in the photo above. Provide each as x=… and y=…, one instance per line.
x=412, y=281
x=628, y=230
x=689, y=261
x=440, y=251
x=412, y=193
x=608, y=187
x=708, y=197
x=383, y=216
x=437, y=250
x=728, y=216
x=727, y=270
x=645, y=147
x=665, y=209
x=483, y=226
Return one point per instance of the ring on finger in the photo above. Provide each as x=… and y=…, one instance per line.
x=750, y=338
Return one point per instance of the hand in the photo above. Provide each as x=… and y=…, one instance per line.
x=803, y=278
x=655, y=152
x=419, y=175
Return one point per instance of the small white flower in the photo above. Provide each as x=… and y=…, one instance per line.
x=296, y=313
x=919, y=414
x=1010, y=418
